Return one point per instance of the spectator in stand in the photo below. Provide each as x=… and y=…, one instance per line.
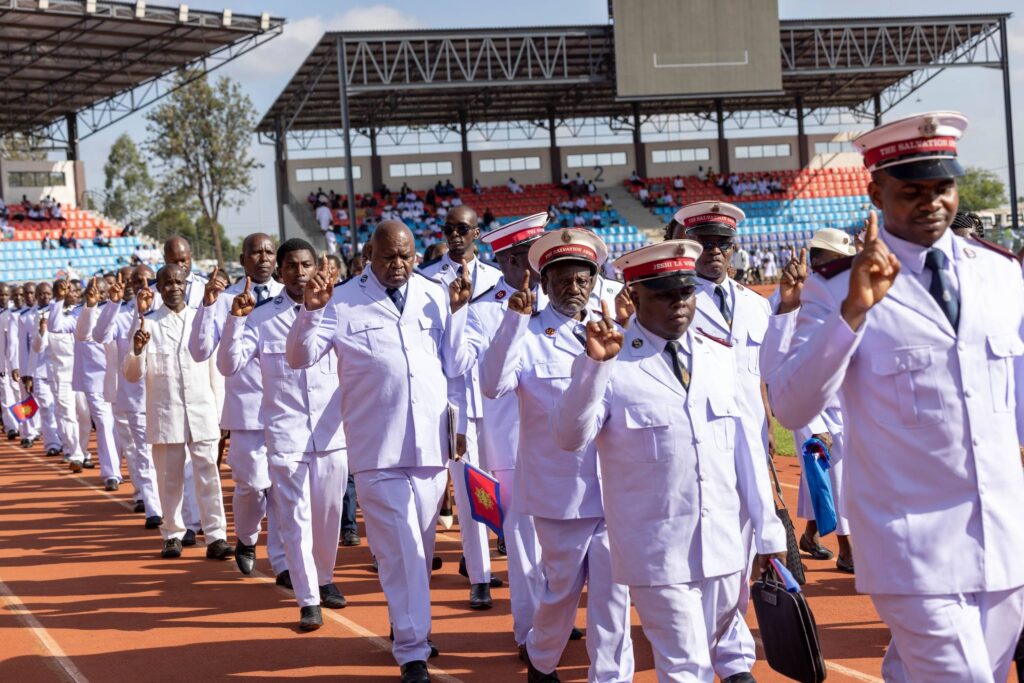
x=565, y=182
x=311, y=199
x=456, y=200
x=477, y=189
x=763, y=189
x=591, y=187
x=678, y=184
x=342, y=215
x=404, y=190
x=384, y=192
x=607, y=202
x=644, y=196
x=4, y=213
x=514, y=187
x=8, y=231
x=356, y=266
x=55, y=213
x=66, y=240
x=635, y=180
x=449, y=189
x=579, y=221
x=430, y=199
x=321, y=197
x=99, y=239
x=785, y=254
x=45, y=242
x=128, y=230
x=741, y=263
x=36, y=214
x=581, y=205
x=702, y=174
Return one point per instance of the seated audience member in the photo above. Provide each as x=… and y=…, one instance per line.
x=55, y=213
x=477, y=189
x=607, y=202
x=99, y=239
x=635, y=180
x=36, y=214
x=701, y=173
x=67, y=240
x=678, y=184
x=45, y=243
x=514, y=187
x=488, y=218
x=128, y=230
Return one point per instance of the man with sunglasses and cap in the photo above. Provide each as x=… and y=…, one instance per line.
x=930, y=373
x=461, y=230
x=665, y=427
x=732, y=315
x=531, y=356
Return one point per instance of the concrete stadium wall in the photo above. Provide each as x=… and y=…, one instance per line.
x=65, y=194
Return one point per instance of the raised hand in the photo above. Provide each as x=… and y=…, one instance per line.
x=243, y=304
x=29, y=384
x=60, y=289
x=873, y=271
x=320, y=287
x=461, y=289
x=144, y=300
x=141, y=337
x=213, y=288
x=604, y=340
x=42, y=325
x=522, y=301
x=791, y=284
x=624, y=309
x=92, y=292
x=116, y=291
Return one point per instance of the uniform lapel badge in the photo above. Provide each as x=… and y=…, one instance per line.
x=969, y=253
x=550, y=332
x=444, y=267
x=739, y=287
x=499, y=295
x=637, y=343
x=278, y=299
x=362, y=280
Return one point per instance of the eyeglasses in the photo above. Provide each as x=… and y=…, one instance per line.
x=709, y=244
x=462, y=228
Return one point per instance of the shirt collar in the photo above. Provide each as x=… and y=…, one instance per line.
x=912, y=255
x=404, y=289
x=660, y=342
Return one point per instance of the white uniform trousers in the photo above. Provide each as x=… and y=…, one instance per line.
x=574, y=552
x=73, y=423
x=400, y=507
x=308, y=491
x=251, y=500
x=106, y=450
x=474, y=534
x=7, y=398
x=684, y=621
x=525, y=578
x=951, y=638
x=189, y=506
x=131, y=427
x=47, y=415
x=170, y=464
x=804, y=508
x=28, y=429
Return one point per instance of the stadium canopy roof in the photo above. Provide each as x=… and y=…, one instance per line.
x=104, y=60
x=470, y=76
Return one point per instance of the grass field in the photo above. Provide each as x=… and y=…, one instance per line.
x=784, y=444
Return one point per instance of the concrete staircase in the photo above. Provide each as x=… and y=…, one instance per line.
x=634, y=212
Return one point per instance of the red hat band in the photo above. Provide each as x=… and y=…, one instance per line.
x=580, y=250
x=516, y=237
x=700, y=219
x=663, y=267
x=908, y=148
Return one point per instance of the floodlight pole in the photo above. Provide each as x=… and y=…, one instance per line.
x=353, y=224
x=281, y=173
x=1008, y=114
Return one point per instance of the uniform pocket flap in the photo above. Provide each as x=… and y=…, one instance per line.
x=1005, y=345
x=356, y=326
x=273, y=346
x=645, y=416
x=428, y=324
x=756, y=335
x=721, y=406
x=553, y=370
x=902, y=360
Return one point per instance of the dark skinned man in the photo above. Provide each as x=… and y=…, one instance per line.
x=178, y=251
x=72, y=409
x=19, y=325
x=928, y=369
x=38, y=370
x=252, y=499
x=6, y=387
x=530, y=357
x=181, y=411
x=394, y=333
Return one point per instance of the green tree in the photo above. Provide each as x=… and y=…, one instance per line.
x=177, y=216
x=129, y=189
x=21, y=147
x=200, y=136
x=980, y=189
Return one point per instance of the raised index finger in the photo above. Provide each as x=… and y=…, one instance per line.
x=604, y=310
x=871, y=229
x=526, y=282
x=248, y=283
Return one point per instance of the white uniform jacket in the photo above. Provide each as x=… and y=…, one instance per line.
x=84, y=333
x=673, y=477
x=181, y=404
x=60, y=346
x=243, y=390
x=90, y=358
x=532, y=357
x=933, y=477
x=114, y=326
x=39, y=364
x=393, y=368
x=300, y=407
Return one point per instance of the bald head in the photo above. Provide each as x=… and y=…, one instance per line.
x=178, y=251
x=258, y=257
x=392, y=253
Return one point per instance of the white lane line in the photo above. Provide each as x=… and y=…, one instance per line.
x=840, y=669
x=58, y=659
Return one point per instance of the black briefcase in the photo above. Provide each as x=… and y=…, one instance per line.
x=788, y=631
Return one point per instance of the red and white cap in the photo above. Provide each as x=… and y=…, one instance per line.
x=665, y=265
x=515, y=233
x=710, y=218
x=918, y=147
x=567, y=244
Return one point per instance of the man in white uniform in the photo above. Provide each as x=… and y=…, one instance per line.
x=6, y=389
x=930, y=374
x=252, y=499
x=20, y=326
x=531, y=357
x=394, y=333
x=73, y=421
x=305, y=441
x=181, y=412
x=461, y=230
x=36, y=373
x=177, y=251
x=665, y=427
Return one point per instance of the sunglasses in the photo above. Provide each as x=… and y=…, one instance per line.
x=461, y=228
x=709, y=244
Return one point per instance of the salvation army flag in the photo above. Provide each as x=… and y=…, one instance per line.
x=25, y=409
x=484, y=498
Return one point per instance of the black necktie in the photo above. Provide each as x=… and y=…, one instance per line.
x=396, y=298
x=680, y=370
x=723, y=305
x=261, y=294
x=940, y=289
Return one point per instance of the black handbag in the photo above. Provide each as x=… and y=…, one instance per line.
x=793, y=562
x=788, y=631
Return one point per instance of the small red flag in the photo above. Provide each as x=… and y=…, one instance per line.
x=484, y=499
x=25, y=409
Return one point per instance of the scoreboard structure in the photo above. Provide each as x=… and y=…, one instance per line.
x=668, y=49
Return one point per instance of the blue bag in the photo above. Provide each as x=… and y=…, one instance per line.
x=817, y=461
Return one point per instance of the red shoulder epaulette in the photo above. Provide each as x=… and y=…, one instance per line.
x=833, y=268
x=720, y=340
x=992, y=246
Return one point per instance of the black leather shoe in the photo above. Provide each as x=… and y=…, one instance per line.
x=575, y=634
x=462, y=567
x=374, y=567
x=284, y=579
x=496, y=582
x=172, y=549
x=480, y=596
x=816, y=550
x=53, y=451
x=502, y=550
x=436, y=563
x=523, y=657
x=26, y=443
x=154, y=522
x=415, y=672
x=434, y=652
x=189, y=538
x=245, y=557
x=535, y=676
x=219, y=550
x=12, y=435
x=111, y=484
x=744, y=677
x=89, y=464
x=844, y=565
x=350, y=538
x=310, y=618
x=75, y=466
x=331, y=597
x=139, y=506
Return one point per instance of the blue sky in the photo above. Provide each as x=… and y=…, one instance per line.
x=265, y=71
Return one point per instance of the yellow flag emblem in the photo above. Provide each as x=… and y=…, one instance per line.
x=484, y=498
